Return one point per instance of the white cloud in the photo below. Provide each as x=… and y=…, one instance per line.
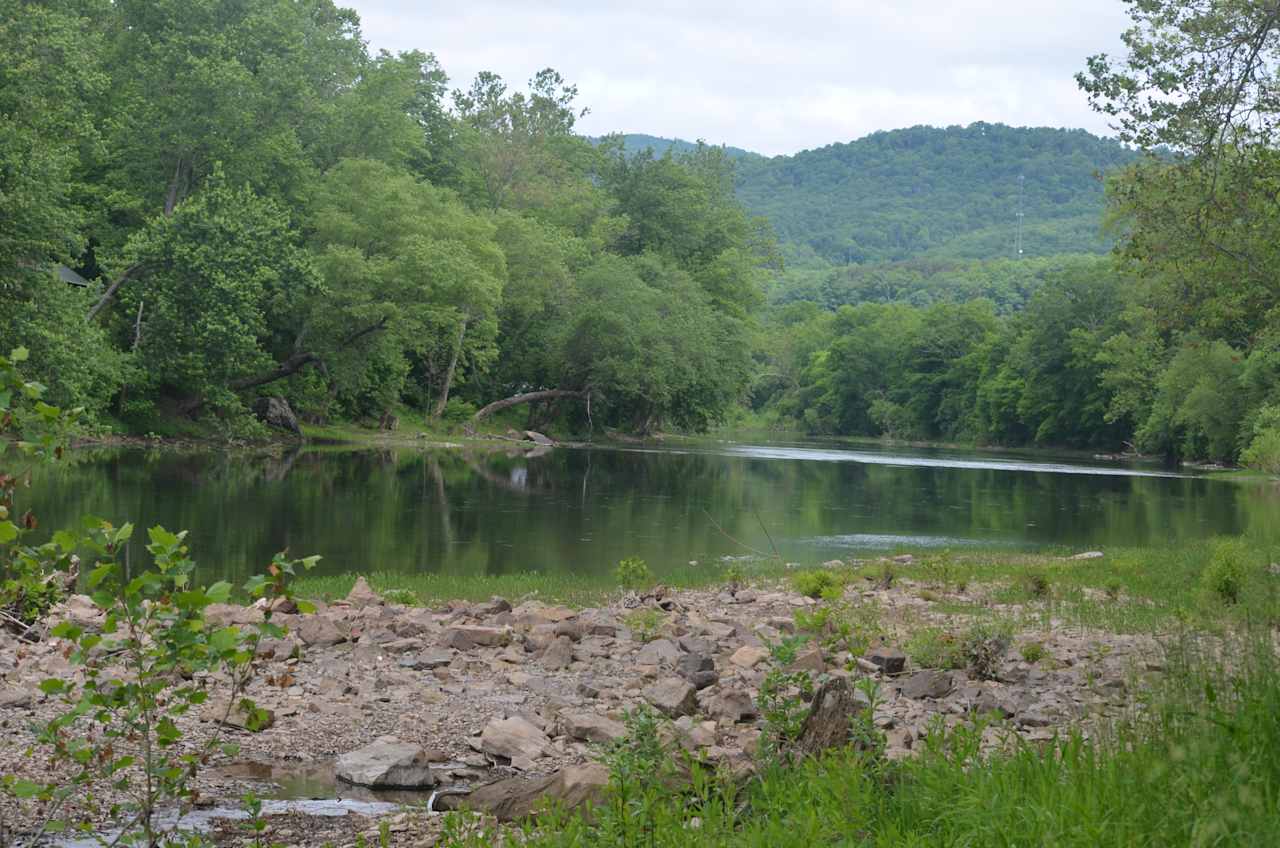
x=776, y=77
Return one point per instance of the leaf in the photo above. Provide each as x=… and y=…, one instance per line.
x=225, y=639
x=8, y=531
x=66, y=540
x=306, y=607
x=219, y=592
x=98, y=575
x=19, y=354
x=53, y=686
x=25, y=789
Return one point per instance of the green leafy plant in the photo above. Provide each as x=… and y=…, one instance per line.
x=735, y=577
x=1225, y=576
x=983, y=648
x=645, y=624
x=814, y=583
x=634, y=573
x=783, y=701
x=405, y=597
x=1033, y=652
x=154, y=661
x=933, y=647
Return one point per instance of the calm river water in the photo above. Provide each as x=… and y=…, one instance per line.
x=577, y=509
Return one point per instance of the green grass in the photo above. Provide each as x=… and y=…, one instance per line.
x=1200, y=766
x=1130, y=590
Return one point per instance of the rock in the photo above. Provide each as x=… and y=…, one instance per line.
x=279, y=649
x=223, y=711
x=698, y=669
x=81, y=611
x=559, y=654
x=889, y=660
x=1088, y=555
x=13, y=698
x=362, y=595
x=833, y=563
x=429, y=659
x=493, y=606
x=658, y=652
x=904, y=559
x=989, y=702
x=513, y=738
x=276, y=412
x=927, y=684
x=518, y=797
x=319, y=631
x=388, y=763
x=809, y=659
x=749, y=656
x=672, y=696
x=731, y=705
x=463, y=638
x=828, y=723
x=538, y=438
x=1034, y=717
x=590, y=727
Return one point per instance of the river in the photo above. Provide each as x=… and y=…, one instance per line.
x=579, y=509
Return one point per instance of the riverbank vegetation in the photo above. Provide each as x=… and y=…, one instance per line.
x=349, y=232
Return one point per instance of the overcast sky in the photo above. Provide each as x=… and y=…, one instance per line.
x=775, y=77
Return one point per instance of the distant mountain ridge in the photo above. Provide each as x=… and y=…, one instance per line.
x=948, y=192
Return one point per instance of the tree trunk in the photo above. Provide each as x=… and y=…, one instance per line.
x=176, y=188
x=443, y=400
x=129, y=273
x=528, y=397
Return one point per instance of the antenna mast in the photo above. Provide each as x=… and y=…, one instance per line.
x=1021, y=182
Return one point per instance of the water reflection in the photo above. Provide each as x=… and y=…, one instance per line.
x=582, y=509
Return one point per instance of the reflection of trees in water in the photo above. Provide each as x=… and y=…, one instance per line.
x=471, y=511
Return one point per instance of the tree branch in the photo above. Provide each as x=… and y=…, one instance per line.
x=130, y=273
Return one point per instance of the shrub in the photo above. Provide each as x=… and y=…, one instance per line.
x=644, y=624
x=1114, y=588
x=734, y=576
x=932, y=647
x=982, y=649
x=816, y=583
x=1033, y=652
x=633, y=573
x=406, y=597
x=1036, y=584
x=1225, y=576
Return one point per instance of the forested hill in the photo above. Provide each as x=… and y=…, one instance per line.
x=633, y=143
x=946, y=192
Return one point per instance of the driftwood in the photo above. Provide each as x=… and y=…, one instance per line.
x=529, y=397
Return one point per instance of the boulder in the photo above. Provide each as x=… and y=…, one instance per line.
x=518, y=797
x=749, y=656
x=276, y=412
x=362, y=595
x=493, y=606
x=558, y=654
x=538, y=438
x=698, y=669
x=513, y=738
x=12, y=698
x=463, y=638
x=731, y=705
x=658, y=652
x=428, y=659
x=1088, y=555
x=809, y=659
x=591, y=727
x=672, y=696
x=889, y=660
x=927, y=684
x=319, y=631
x=387, y=762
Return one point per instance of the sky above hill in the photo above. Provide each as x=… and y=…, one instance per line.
x=775, y=77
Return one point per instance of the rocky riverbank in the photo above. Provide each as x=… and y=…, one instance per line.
x=518, y=699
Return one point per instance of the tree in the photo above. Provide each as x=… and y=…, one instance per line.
x=410, y=274
x=225, y=281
